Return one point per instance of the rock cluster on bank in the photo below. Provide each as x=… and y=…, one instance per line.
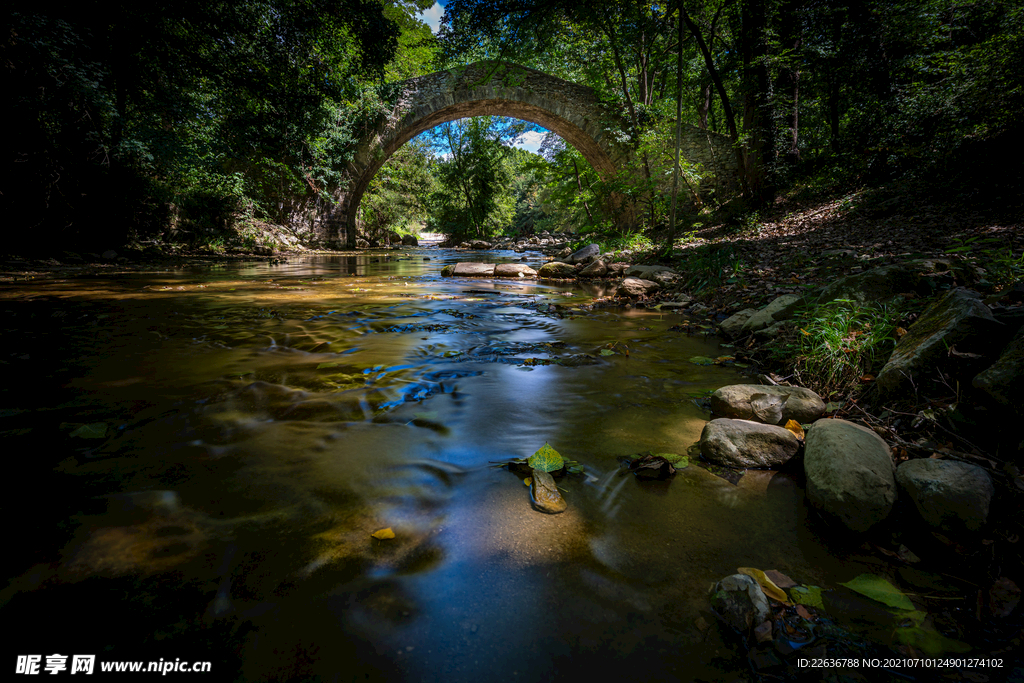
x=850, y=475
x=634, y=281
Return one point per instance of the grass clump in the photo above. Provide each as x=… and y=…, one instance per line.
x=842, y=341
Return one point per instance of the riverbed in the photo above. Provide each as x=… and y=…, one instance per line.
x=200, y=457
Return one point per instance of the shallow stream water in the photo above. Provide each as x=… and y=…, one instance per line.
x=199, y=457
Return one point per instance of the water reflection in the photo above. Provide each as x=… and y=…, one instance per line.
x=252, y=426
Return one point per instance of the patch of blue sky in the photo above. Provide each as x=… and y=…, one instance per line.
x=432, y=15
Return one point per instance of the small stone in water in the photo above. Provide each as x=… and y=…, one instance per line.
x=544, y=493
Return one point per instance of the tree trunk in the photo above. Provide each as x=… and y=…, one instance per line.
x=704, y=106
x=579, y=186
x=757, y=103
x=716, y=79
x=788, y=82
x=679, y=128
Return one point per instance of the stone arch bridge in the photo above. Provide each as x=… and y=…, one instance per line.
x=572, y=111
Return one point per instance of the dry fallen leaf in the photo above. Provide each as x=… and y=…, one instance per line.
x=767, y=585
x=804, y=612
x=780, y=579
x=794, y=426
x=382, y=534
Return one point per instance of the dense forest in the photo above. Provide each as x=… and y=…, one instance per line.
x=187, y=121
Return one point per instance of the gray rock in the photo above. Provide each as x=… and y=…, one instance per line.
x=544, y=493
x=959, y=318
x=514, y=270
x=779, y=309
x=468, y=269
x=773, y=330
x=1003, y=381
x=480, y=244
x=744, y=444
x=739, y=601
x=556, y=269
x=732, y=326
x=849, y=473
x=617, y=267
x=109, y=254
x=877, y=284
x=949, y=495
x=410, y=241
x=362, y=243
x=802, y=405
x=634, y=287
x=649, y=272
x=586, y=252
x=595, y=269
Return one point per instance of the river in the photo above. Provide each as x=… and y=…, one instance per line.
x=197, y=459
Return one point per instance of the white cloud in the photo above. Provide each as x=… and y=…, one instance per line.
x=530, y=141
x=432, y=17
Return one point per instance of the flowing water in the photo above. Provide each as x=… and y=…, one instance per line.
x=197, y=460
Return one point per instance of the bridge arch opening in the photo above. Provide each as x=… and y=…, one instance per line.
x=597, y=157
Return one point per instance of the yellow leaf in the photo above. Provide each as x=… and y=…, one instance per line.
x=528, y=481
x=900, y=331
x=794, y=426
x=382, y=534
x=767, y=585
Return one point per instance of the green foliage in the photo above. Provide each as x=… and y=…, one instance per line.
x=484, y=187
x=1002, y=267
x=711, y=266
x=400, y=192
x=842, y=340
x=180, y=116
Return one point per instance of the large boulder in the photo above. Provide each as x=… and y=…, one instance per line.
x=410, y=241
x=581, y=255
x=468, y=269
x=514, y=270
x=951, y=496
x=744, y=402
x=1003, y=381
x=556, y=269
x=959, y=318
x=878, y=284
x=779, y=309
x=595, y=269
x=739, y=601
x=480, y=244
x=732, y=326
x=635, y=287
x=849, y=473
x=650, y=272
x=744, y=444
